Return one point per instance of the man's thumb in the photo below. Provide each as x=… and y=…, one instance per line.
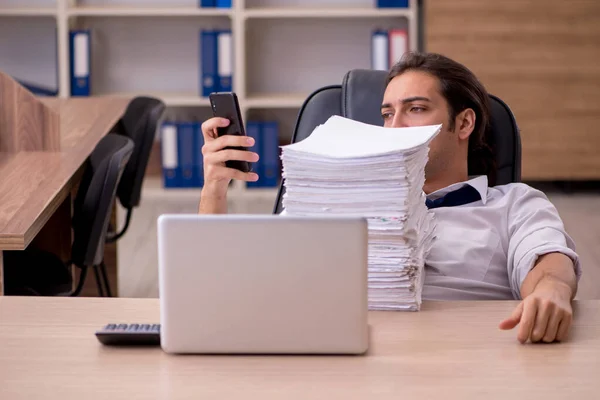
x=514, y=318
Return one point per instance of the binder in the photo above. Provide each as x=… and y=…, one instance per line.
x=270, y=148
x=225, y=60
x=398, y=45
x=208, y=3
x=185, y=150
x=169, y=156
x=380, y=47
x=223, y=3
x=79, y=41
x=253, y=130
x=198, y=159
x=392, y=3
x=208, y=62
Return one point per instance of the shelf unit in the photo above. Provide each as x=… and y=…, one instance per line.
x=283, y=49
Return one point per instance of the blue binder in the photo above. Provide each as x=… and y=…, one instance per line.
x=253, y=130
x=208, y=62
x=169, y=156
x=225, y=60
x=270, y=147
x=392, y=3
x=186, y=131
x=198, y=159
x=79, y=43
x=223, y=3
x=208, y=3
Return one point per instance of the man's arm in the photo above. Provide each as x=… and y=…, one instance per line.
x=543, y=267
x=545, y=314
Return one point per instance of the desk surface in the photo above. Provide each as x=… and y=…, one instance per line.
x=448, y=350
x=34, y=184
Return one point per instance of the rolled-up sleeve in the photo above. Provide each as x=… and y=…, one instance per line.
x=534, y=229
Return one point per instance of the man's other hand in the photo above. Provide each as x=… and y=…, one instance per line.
x=545, y=315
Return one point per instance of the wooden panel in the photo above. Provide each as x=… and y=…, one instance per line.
x=26, y=124
x=34, y=184
x=449, y=350
x=541, y=57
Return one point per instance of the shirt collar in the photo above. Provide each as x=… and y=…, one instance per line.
x=479, y=183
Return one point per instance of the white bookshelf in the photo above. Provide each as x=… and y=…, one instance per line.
x=283, y=49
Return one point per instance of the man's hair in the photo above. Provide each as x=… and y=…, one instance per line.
x=462, y=90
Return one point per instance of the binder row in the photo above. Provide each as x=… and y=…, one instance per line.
x=387, y=47
x=216, y=61
x=379, y=4
x=181, y=153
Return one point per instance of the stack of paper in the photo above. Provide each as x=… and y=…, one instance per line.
x=350, y=168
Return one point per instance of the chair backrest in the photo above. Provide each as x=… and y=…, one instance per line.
x=139, y=123
x=359, y=98
x=95, y=197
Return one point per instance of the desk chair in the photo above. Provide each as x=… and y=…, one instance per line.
x=37, y=272
x=139, y=123
x=359, y=98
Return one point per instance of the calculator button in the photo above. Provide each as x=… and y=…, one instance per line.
x=133, y=327
x=122, y=327
x=156, y=327
x=110, y=327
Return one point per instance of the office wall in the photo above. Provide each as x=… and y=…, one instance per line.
x=543, y=58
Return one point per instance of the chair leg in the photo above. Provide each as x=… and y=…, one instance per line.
x=105, y=276
x=98, y=281
x=79, y=287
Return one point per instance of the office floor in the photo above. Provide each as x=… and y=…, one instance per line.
x=138, y=268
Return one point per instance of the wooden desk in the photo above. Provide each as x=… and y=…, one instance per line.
x=35, y=185
x=450, y=350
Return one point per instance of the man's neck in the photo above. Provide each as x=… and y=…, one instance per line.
x=431, y=185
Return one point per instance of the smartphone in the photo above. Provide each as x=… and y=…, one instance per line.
x=225, y=105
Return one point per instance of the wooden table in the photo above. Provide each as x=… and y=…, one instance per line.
x=36, y=186
x=449, y=350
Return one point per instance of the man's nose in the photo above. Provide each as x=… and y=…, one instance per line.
x=399, y=121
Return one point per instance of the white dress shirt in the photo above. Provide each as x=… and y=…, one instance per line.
x=485, y=249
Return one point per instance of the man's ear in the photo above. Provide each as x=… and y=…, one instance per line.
x=465, y=123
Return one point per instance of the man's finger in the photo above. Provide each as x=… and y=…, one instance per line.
x=209, y=127
x=545, y=310
x=563, y=327
x=527, y=320
x=227, y=141
x=552, y=328
x=514, y=318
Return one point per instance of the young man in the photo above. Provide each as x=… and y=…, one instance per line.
x=499, y=242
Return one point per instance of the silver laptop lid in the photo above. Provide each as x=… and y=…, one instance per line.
x=262, y=284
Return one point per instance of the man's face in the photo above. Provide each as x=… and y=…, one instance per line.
x=414, y=99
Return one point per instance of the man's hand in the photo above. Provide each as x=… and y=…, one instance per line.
x=545, y=315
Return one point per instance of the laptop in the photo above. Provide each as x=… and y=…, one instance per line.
x=262, y=284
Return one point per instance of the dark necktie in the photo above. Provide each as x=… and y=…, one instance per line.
x=465, y=195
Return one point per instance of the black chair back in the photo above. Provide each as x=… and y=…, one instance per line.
x=139, y=123
x=95, y=197
x=359, y=98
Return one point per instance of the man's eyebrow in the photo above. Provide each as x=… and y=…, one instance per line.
x=406, y=100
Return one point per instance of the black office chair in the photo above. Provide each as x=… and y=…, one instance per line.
x=139, y=123
x=36, y=272
x=359, y=98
